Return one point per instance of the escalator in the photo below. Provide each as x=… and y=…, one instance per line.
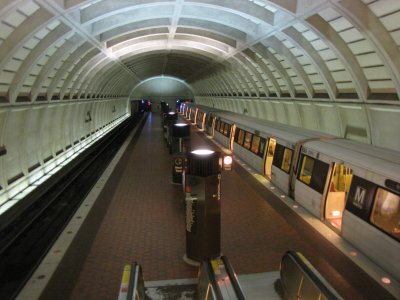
x=218, y=281
x=300, y=280
x=132, y=283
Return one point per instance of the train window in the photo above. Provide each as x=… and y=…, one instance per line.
x=313, y=172
x=220, y=125
x=210, y=120
x=386, y=212
x=229, y=130
x=255, y=144
x=262, y=147
x=226, y=129
x=307, y=166
x=282, y=157
x=319, y=176
x=221, y=128
x=241, y=137
x=237, y=135
x=217, y=125
x=278, y=155
x=247, y=140
x=287, y=159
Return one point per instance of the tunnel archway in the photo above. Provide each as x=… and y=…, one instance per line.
x=162, y=88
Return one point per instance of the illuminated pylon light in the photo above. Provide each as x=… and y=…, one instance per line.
x=227, y=162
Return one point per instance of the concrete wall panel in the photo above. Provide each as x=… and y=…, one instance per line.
x=329, y=121
x=385, y=123
x=293, y=117
x=280, y=113
x=309, y=116
x=39, y=137
x=355, y=123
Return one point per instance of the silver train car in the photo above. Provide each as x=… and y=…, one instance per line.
x=352, y=187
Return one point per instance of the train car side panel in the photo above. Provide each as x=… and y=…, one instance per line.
x=250, y=147
x=308, y=198
x=222, y=139
x=250, y=158
x=311, y=181
x=354, y=188
x=379, y=247
x=370, y=221
x=280, y=179
x=281, y=165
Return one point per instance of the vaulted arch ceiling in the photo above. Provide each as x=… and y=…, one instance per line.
x=325, y=50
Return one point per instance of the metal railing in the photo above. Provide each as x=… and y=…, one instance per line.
x=300, y=280
x=132, y=283
x=218, y=281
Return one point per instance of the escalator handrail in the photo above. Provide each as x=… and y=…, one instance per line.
x=233, y=278
x=212, y=279
x=305, y=266
x=132, y=281
x=132, y=284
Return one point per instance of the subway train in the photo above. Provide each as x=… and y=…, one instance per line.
x=352, y=187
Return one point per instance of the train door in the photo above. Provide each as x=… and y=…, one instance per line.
x=232, y=136
x=336, y=195
x=213, y=124
x=269, y=157
x=293, y=167
x=195, y=116
x=203, y=121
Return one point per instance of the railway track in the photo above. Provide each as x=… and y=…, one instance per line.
x=27, y=238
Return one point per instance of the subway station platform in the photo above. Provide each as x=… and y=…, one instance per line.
x=137, y=214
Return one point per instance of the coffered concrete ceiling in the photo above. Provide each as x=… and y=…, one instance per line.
x=280, y=49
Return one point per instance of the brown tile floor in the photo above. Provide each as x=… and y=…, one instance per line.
x=140, y=217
